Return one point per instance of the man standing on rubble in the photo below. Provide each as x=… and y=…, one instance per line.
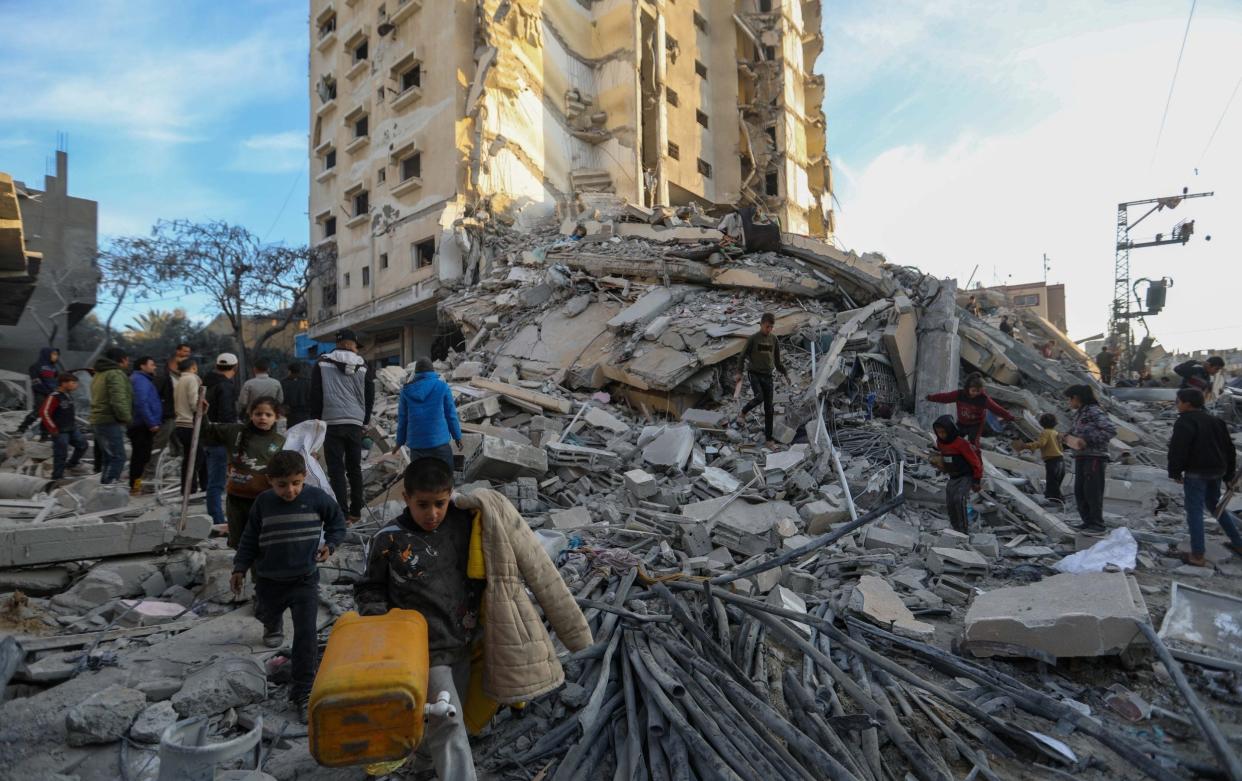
x=342, y=395
x=1105, y=361
x=222, y=398
x=1201, y=454
x=763, y=353
x=1200, y=376
x=148, y=415
x=1088, y=438
x=165, y=380
x=295, y=390
x=427, y=417
x=261, y=385
x=43, y=383
x=112, y=408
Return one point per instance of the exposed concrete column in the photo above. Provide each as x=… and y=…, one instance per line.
x=661, y=193
x=637, y=22
x=939, y=353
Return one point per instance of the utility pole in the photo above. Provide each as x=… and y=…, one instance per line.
x=1124, y=295
x=1047, y=266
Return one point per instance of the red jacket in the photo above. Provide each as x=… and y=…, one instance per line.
x=960, y=455
x=970, y=412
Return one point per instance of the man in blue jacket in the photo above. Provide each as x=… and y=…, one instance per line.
x=148, y=417
x=427, y=416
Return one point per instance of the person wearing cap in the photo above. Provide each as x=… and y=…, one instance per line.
x=222, y=400
x=342, y=395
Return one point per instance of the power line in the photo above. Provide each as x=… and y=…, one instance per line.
x=1169, y=101
x=281, y=213
x=1228, y=103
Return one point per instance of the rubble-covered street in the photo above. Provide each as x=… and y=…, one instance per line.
x=797, y=612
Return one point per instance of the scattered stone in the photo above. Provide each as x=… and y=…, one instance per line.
x=152, y=722
x=958, y=562
x=573, y=518
x=874, y=599
x=667, y=446
x=228, y=682
x=641, y=484
x=703, y=418
x=104, y=716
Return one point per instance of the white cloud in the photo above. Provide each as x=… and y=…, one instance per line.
x=1000, y=200
x=274, y=153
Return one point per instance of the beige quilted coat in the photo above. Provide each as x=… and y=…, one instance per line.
x=519, y=660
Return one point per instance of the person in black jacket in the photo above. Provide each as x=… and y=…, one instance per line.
x=297, y=395
x=165, y=380
x=1199, y=375
x=1201, y=454
x=222, y=400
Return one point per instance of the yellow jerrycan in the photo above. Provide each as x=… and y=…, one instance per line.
x=366, y=706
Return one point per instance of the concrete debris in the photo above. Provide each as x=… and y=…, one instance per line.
x=595, y=372
x=103, y=717
x=1088, y=614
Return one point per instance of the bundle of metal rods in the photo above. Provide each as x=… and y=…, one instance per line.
x=690, y=681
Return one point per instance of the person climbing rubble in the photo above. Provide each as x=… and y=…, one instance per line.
x=112, y=408
x=58, y=417
x=961, y=462
x=973, y=405
x=1088, y=437
x=44, y=374
x=763, y=354
x=453, y=559
x=148, y=417
x=427, y=416
x=1200, y=375
x=1201, y=455
x=1048, y=443
x=342, y=396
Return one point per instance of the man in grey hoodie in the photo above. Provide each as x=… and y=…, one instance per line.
x=342, y=395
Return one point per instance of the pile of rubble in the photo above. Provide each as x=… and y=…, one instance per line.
x=797, y=612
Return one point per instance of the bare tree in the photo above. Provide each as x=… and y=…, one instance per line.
x=123, y=271
x=242, y=276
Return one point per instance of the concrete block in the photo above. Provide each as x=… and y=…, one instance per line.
x=985, y=544
x=783, y=434
x=573, y=518
x=702, y=418
x=719, y=480
x=217, y=569
x=950, y=538
x=647, y=308
x=874, y=599
x=695, y=540
x=35, y=582
x=147, y=612
x=477, y=410
x=467, y=370
x=656, y=328
x=957, y=562
x=104, y=716
x=229, y=682
x=821, y=514
x=601, y=418
x=880, y=538
x=1088, y=614
x=800, y=581
x=641, y=484
x=156, y=689
x=152, y=722
x=788, y=600
x=497, y=459
x=785, y=461
x=667, y=446
x=95, y=589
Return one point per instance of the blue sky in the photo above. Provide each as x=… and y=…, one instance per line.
x=963, y=133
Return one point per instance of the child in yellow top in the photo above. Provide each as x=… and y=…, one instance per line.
x=1049, y=446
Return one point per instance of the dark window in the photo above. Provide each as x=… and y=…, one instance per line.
x=771, y=131
x=701, y=117
x=412, y=78
x=765, y=6
x=411, y=167
x=769, y=53
x=329, y=90
x=671, y=48
x=700, y=69
x=1031, y=299
x=674, y=151
x=329, y=160
x=366, y=276
x=672, y=97
x=361, y=126
x=383, y=260
x=381, y=175
x=424, y=253
x=700, y=22
x=362, y=203
x=772, y=183
x=705, y=168
x=346, y=284
x=329, y=227
x=360, y=52
x=328, y=26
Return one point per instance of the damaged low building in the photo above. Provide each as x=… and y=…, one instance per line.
x=427, y=116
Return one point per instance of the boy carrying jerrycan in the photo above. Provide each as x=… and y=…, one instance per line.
x=464, y=563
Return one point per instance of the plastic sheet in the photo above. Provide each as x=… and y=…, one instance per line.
x=1119, y=549
x=307, y=438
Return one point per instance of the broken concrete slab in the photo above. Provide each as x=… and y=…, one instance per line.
x=822, y=514
x=881, y=538
x=39, y=582
x=1088, y=614
x=1204, y=627
x=478, y=410
x=874, y=599
x=551, y=403
x=703, y=418
x=786, y=599
x=650, y=306
x=573, y=518
x=497, y=459
x=938, y=361
x=785, y=461
x=1051, y=525
x=667, y=446
x=228, y=682
x=103, y=717
x=147, y=612
x=719, y=480
x=956, y=562
x=152, y=722
x=76, y=538
x=98, y=587
x=641, y=484
x=601, y=418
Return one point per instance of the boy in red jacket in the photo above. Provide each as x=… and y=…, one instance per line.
x=963, y=466
x=60, y=421
x=973, y=406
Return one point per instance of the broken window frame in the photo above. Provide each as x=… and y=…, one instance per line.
x=701, y=117
x=366, y=276
x=704, y=168
x=673, y=151
x=420, y=258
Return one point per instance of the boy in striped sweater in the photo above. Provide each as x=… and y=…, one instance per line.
x=292, y=527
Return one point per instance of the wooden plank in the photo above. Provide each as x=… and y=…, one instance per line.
x=552, y=403
x=30, y=643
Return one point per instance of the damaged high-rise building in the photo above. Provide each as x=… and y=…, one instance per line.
x=425, y=110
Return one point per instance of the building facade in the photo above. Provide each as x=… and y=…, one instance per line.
x=63, y=230
x=423, y=110
x=1048, y=301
